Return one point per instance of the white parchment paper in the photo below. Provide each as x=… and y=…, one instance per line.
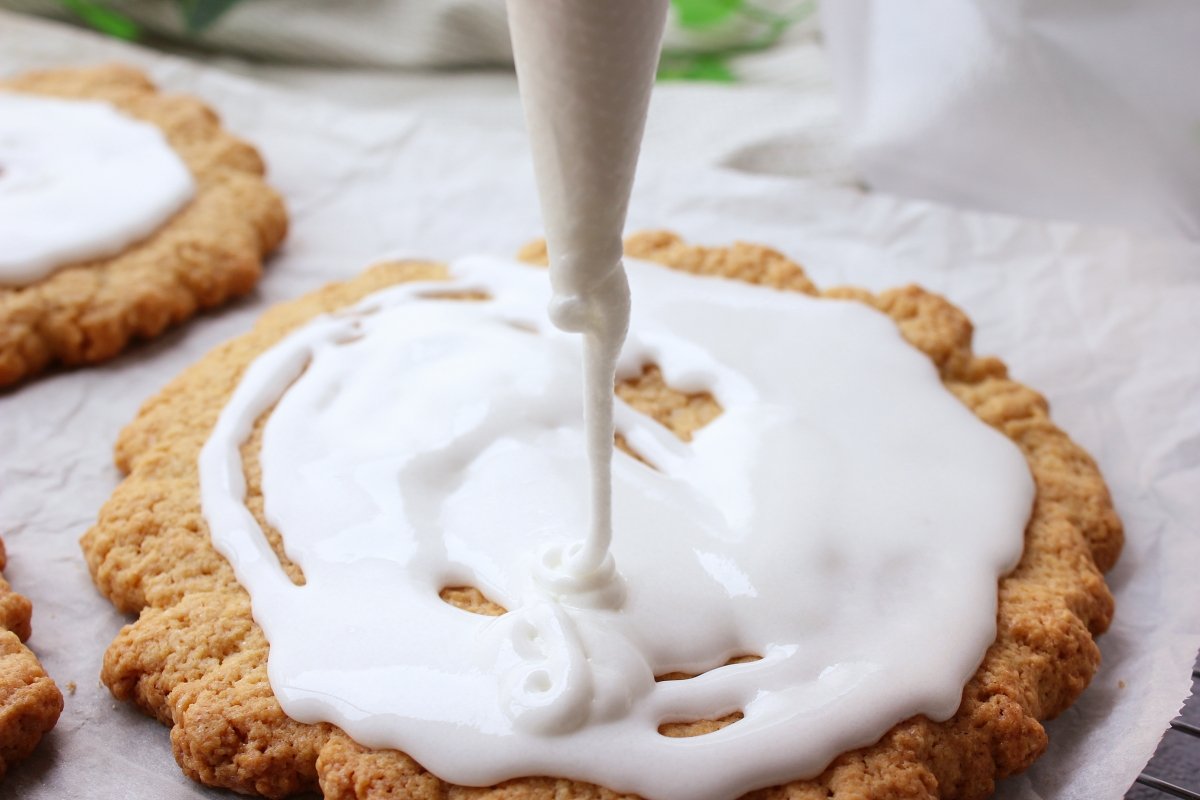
x=1104, y=322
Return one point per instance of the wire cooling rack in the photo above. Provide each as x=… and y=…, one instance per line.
x=1182, y=780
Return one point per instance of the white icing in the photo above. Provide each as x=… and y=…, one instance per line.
x=78, y=181
x=845, y=518
x=585, y=70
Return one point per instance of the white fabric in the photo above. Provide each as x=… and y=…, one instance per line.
x=1068, y=109
x=784, y=123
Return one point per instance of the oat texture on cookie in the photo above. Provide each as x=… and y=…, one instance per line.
x=30, y=702
x=207, y=253
x=195, y=660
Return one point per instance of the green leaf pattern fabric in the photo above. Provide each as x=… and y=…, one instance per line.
x=749, y=25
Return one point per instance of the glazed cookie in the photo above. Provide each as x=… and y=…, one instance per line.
x=196, y=660
x=174, y=236
x=29, y=701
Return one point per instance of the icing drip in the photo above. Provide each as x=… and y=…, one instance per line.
x=844, y=517
x=585, y=69
x=79, y=181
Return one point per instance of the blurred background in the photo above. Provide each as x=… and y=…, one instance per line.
x=1082, y=110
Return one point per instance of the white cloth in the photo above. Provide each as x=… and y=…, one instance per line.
x=1066, y=109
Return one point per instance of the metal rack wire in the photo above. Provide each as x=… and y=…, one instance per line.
x=1165, y=786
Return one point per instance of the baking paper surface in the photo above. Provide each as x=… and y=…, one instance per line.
x=1103, y=322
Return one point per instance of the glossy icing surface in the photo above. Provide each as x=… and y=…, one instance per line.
x=78, y=181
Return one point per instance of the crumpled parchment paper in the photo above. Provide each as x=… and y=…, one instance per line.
x=1103, y=322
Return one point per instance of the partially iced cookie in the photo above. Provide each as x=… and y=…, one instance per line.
x=122, y=211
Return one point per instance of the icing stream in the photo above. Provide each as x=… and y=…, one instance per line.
x=585, y=70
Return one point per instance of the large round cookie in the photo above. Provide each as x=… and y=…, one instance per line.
x=208, y=252
x=196, y=660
